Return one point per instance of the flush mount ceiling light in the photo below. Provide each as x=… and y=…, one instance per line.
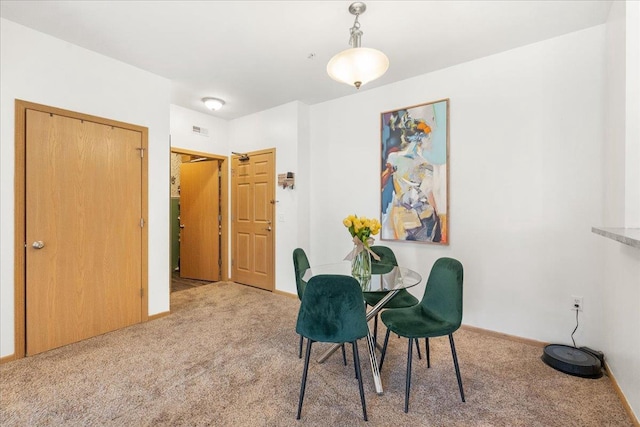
x=213, y=104
x=358, y=65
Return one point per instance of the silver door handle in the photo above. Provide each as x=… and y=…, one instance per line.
x=38, y=244
x=181, y=225
x=268, y=228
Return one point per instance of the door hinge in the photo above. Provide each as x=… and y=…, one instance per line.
x=141, y=222
x=141, y=151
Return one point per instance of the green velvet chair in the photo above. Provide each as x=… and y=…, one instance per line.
x=332, y=311
x=438, y=314
x=402, y=299
x=300, y=265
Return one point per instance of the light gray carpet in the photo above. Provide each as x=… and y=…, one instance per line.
x=227, y=356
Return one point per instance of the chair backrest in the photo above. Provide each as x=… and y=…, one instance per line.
x=300, y=264
x=443, y=294
x=332, y=310
x=387, y=259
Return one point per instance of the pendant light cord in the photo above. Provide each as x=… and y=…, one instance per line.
x=355, y=32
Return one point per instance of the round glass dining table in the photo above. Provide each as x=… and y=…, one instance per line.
x=388, y=279
x=384, y=278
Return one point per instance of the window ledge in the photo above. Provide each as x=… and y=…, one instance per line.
x=627, y=236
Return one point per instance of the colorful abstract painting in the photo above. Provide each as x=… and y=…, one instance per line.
x=414, y=173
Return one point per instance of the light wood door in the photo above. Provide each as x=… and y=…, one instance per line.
x=83, y=203
x=200, y=220
x=253, y=204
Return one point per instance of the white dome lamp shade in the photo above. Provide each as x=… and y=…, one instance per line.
x=358, y=65
x=214, y=104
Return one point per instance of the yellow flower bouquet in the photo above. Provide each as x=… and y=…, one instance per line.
x=361, y=230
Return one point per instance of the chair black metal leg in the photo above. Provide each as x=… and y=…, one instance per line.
x=356, y=360
x=375, y=329
x=426, y=340
x=384, y=349
x=300, y=347
x=344, y=355
x=418, y=348
x=408, y=387
x=307, y=356
x=455, y=364
x=355, y=364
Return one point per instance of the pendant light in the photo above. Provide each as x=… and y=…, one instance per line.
x=358, y=65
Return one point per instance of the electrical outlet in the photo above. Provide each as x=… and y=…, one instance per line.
x=577, y=303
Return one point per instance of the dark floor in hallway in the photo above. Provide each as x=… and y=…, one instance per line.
x=180, y=284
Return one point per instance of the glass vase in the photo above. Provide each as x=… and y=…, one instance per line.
x=361, y=268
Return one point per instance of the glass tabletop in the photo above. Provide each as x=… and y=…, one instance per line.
x=385, y=279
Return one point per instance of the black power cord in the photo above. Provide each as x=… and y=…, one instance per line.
x=576, y=328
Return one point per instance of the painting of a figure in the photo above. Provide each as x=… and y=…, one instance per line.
x=414, y=173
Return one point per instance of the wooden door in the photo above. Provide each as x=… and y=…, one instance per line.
x=83, y=229
x=253, y=204
x=200, y=220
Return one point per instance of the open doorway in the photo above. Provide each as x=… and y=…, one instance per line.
x=199, y=218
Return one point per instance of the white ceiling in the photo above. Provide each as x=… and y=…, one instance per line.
x=255, y=54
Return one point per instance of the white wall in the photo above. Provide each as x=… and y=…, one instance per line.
x=632, y=114
x=182, y=135
x=526, y=135
x=38, y=68
x=621, y=298
x=621, y=279
x=303, y=181
x=614, y=153
x=285, y=129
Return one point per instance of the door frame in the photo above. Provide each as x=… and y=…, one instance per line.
x=224, y=203
x=20, y=224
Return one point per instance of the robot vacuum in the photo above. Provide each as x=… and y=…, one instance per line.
x=580, y=362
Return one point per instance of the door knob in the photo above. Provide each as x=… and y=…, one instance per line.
x=268, y=228
x=38, y=244
x=181, y=225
